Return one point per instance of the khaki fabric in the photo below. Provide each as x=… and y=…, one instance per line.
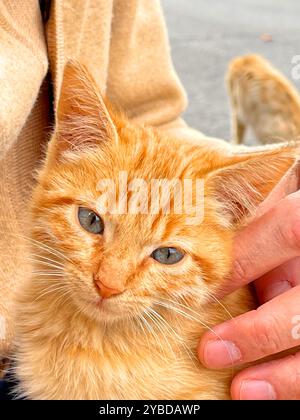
x=124, y=44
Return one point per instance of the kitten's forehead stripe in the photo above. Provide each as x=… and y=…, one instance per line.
x=60, y=201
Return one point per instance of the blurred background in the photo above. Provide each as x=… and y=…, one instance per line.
x=206, y=34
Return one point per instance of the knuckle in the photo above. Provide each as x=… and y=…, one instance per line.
x=289, y=229
x=240, y=269
x=268, y=339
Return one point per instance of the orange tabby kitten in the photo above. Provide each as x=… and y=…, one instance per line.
x=263, y=99
x=117, y=302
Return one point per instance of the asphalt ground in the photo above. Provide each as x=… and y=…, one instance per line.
x=206, y=34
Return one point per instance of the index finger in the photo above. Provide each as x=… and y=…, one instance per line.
x=267, y=242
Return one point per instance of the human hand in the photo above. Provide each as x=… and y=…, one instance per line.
x=268, y=249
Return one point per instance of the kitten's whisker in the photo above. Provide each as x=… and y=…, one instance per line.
x=34, y=261
x=155, y=316
x=193, y=318
x=51, y=289
x=62, y=298
x=37, y=260
x=49, y=273
x=175, y=334
x=49, y=249
x=46, y=263
x=41, y=245
x=47, y=259
x=141, y=317
x=180, y=339
x=38, y=275
x=220, y=303
x=152, y=331
x=143, y=322
x=140, y=322
x=183, y=306
x=192, y=311
x=142, y=326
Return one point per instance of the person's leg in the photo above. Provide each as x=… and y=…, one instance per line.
x=23, y=123
x=5, y=388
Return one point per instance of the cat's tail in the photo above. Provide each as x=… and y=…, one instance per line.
x=262, y=98
x=238, y=76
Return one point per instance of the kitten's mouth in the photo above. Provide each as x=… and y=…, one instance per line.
x=113, y=308
x=107, y=306
x=100, y=303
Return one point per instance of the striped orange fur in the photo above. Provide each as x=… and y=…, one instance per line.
x=141, y=343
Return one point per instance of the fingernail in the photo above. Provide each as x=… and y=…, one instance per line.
x=257, y=390
x=276, y=289
x=218, y=354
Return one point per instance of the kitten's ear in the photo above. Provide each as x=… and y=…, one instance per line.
x=82, y=117
x=246, y=179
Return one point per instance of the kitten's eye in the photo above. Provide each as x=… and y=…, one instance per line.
x=167, y=255
x=90, y=221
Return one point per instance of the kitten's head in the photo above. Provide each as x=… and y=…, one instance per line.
x=113, y=262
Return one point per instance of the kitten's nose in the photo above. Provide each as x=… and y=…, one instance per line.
x=107, y=292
